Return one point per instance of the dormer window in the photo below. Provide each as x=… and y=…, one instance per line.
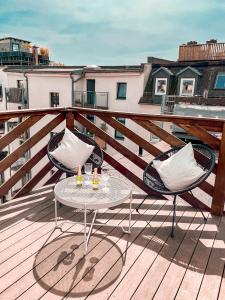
x=220, y=81
x=187, y=86
x=160, y=86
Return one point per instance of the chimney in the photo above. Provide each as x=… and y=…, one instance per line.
x=192, y=43
x=35, y=55
x=211, y=41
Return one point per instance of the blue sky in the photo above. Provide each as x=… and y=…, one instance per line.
x=104, y=32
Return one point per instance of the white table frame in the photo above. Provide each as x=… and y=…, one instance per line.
x=87, y=234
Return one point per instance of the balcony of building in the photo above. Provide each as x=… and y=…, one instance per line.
x=40, y=262
x=91, y=99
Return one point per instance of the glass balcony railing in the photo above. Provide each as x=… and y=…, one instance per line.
x=90, y=99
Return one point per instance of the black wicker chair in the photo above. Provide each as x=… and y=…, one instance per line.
x=205, y=159
x=96, y=157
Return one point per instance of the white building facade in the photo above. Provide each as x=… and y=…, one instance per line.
x=113, y=88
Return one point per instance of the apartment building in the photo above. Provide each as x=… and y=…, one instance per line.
x=117, y=88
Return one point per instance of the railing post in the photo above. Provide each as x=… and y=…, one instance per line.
x=70, y=120
x=219, y=188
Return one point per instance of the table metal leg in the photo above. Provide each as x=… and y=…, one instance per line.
x=87, y=235
x=130, y=214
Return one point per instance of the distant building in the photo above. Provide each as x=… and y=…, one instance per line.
x=14, y=51
x=199, y=72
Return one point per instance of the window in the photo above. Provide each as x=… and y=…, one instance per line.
x=91, y=118
x=54, y=99
x=1, y=92
x=220, y=81
x=118, y=135
x=187, y=86
x=121, y=90
x=15, y=47
x=160, y=86
x=20, y=84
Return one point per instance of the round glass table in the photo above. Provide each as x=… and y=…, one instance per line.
x=111, y=193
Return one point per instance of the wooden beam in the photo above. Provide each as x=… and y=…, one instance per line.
x=54, y=178
x=132, y=136
x=9, y=137
x=129, y=175
x=112, y=142
x=7, y=185
x=219, y=188
x=202, y=134
x=70, y=121
x=34, y=181
x=12, y=157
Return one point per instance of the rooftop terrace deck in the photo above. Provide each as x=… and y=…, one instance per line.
x=40, y=263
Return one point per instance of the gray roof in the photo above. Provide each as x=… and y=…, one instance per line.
x=164, y=69
x=189, y=68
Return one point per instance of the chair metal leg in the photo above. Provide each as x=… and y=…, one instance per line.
x=174, y=215
x=137, y=208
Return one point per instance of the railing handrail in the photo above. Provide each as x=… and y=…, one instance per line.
x=84, y=92
x=132, y=115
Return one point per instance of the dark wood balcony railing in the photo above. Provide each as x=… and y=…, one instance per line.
x=199, y=127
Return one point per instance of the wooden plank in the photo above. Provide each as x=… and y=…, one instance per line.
x=210, y=124
x=29, y=287
x=70, y=121
x=9, y=137
x=191, y=282
x=112, y=142
x=202, y=134
x=214, y=271
x=34, y=181
x=12, y=157
x=9, y=114
x=174, y=274
x=161, y=133
x=109, y=260
x=7, y=185
x=132, y=136
x=219, y=187
x=154, y=261
x=132, y=247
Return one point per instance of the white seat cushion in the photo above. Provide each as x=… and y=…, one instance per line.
x=72, y=152
x=180, y=170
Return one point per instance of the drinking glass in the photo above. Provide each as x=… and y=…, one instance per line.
x=104, y=178
x=88, y=168
x=88, y=171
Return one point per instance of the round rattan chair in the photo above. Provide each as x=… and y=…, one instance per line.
x=96, y=157
x=205, y=158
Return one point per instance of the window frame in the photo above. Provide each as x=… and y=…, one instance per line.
x=181, y=86
x=1, y=92
x=120, y=137
x=50, y=96
x=117, y=91
x=157, y=79
x=216, y=88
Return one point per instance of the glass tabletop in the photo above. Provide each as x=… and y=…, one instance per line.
x=110, y=193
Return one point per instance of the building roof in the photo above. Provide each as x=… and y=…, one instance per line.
x=10, y=38
x=190, y=68
x=74, y=69
x=164, y=69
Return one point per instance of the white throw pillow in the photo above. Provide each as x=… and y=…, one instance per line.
x=180, y=170
x=72, y=152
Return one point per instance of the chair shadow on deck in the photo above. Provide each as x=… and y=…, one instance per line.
x=65, y=257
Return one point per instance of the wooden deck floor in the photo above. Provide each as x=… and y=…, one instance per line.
x=37, y=262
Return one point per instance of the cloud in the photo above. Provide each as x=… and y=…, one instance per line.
x=112, y=31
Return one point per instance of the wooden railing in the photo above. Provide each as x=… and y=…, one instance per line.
x=51, y=118
x=211, y=51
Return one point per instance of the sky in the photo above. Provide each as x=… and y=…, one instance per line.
x=112, y=32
